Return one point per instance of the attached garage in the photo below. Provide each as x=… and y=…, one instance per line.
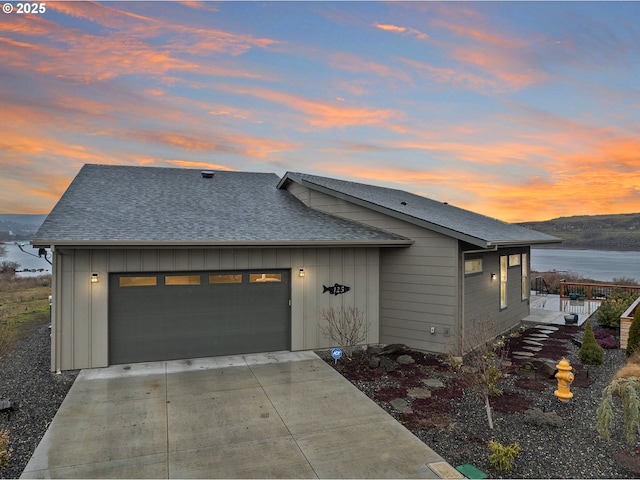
x=176, y=315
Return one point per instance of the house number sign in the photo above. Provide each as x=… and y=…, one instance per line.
x=336, y=289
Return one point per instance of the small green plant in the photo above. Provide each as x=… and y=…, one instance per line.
x=634, y=333
x=608, y=314
x=5, y=451
x=590, y=352
x=627, y=390
x=502, y=456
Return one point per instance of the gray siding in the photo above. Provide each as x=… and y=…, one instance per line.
x=482, y=299
x=80, y=311
x=418, y=285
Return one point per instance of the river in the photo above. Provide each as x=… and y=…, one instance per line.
x=26, y=262
x=603, y=265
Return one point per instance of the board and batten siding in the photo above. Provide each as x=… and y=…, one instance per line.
x=483, y=317
x=419, y=286
x=80, y=316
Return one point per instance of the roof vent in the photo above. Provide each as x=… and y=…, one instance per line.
x=207, y=173
x=403, y=203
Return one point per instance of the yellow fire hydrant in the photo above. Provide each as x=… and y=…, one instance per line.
x=565, y=377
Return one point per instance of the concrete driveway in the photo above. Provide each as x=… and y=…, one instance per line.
x=278, y=415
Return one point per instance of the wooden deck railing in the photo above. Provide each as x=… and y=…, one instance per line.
x=586, y=297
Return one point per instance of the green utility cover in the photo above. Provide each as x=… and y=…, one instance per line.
x=470, y=471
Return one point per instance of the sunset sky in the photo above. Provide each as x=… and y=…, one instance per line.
x=520, y=111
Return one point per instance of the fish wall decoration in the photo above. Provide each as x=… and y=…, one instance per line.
x=336, y=289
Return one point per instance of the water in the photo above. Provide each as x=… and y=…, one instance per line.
x=603, y=265
x=26, y=262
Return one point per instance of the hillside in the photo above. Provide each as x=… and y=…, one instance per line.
x=599, y=232
x=19, y=227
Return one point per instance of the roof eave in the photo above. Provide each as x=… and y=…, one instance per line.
x=516, y=243
x=393, y=213
x=482, y=243
x=209, y=244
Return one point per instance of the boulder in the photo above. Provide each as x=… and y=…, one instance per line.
x=405, y=360
x=387, y=364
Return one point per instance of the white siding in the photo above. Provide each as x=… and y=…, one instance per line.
x=80, y=311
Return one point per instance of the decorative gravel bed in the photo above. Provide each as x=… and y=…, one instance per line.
x=25, y=379
x=452, y=420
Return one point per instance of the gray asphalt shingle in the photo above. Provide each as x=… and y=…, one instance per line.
x=147, y=205
x=459, y=223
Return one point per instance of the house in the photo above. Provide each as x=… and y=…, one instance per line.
x=168, y=263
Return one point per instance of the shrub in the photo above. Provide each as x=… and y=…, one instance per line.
x=625, y=388
x=502, y=456
x=608, y=314
x=346, y=326
x=5, y=451
x=634, y=333
x=590, y=352
x=605, y=339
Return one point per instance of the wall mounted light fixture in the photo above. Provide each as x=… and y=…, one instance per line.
x=94, y=278
x=301, y=272
x=493, y=276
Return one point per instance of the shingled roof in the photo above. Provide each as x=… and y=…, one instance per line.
x=129, y=205
x=476, y=229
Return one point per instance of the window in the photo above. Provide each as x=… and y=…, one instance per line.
x=503, y=281
x=225, y=278
x=514, y=260
x=148, y=281
x=182, y=280
x=525, y=277
x=265, y=277
x=473, y=265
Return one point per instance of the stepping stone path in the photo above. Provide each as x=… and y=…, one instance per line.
x=433, y=382
x=534, y=338
x=419, y=393
x=401, y=405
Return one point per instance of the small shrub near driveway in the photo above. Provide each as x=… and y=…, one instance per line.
x=502, y=456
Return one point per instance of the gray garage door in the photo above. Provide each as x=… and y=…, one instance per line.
x=174, y=315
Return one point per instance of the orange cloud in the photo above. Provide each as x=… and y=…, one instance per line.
x=322, y=115
x=405, y=30
x=353, y=63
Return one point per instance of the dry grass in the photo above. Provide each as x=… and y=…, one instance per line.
x=629, y=370
x=24, y=304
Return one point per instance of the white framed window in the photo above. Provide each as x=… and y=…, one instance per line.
x=504, y=268
x=526, y=288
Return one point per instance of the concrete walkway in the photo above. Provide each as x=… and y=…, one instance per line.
x=282, y=415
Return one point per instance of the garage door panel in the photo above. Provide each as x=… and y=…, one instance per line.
x=165, y=322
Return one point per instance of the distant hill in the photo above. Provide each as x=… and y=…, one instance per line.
x=19, y=227
x=599, y=232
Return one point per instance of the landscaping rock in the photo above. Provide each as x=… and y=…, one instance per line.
x=374, y=362
x=433, y=382
x=405, y=360
x=387, y=364
x=401, y=405
x=419, y=393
